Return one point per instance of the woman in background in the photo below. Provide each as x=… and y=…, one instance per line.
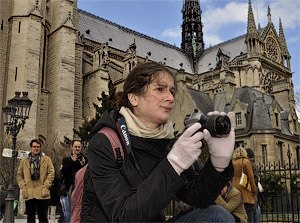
x=242, y=164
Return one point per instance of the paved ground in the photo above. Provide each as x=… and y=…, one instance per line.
x=18, y=220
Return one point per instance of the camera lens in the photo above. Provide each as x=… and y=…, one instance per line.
x=222, y=125
x=216, y=125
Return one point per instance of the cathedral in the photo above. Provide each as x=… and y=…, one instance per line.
x=65, y=58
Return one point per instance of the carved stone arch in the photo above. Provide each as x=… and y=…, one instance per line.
x=248, y=68
x=255, y=67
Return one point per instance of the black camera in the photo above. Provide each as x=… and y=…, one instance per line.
x=79, y=156
x=216, y=125
x=35, y=176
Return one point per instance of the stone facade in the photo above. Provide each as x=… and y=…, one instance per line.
x=65, y=57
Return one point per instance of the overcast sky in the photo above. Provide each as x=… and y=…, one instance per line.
x=222, y=20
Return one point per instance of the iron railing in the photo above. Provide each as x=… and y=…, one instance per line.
x=280, y=201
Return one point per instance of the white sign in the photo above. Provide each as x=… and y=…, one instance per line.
x=21, y=153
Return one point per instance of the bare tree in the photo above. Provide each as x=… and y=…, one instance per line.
x=57, y=150
x=6, y=161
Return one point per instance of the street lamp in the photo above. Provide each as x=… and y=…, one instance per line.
x=14, y=116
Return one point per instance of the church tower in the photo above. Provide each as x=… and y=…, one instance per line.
x=38, y=40
x=252, y=37
x=192, y=35
x=22, y=29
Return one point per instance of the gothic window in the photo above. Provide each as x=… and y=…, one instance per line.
x=16, y=74
x=268, y=80
x=277, y=119
x=280, y=146
x=238, y=119
x=272, y=48
x=298, y=154
x=264, y=154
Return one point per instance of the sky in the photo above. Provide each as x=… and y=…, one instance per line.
x=222, y=20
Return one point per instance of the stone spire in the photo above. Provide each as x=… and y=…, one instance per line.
x=192, y=35
x=283, y=44
x=251, y=28
x=252, y=37
x=282, y=38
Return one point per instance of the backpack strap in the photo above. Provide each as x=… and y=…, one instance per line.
x=115, y=143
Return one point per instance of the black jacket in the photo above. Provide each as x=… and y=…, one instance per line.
x=69, y=169
x=127, y=194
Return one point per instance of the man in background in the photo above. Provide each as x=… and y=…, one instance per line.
x=35, y=175
x=69, y=168
x=3, y=195
x=231, y=199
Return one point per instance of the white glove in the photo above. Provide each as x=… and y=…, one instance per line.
x=186, y=149
x=221, y=148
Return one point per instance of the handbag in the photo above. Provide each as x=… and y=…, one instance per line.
x=244, y=181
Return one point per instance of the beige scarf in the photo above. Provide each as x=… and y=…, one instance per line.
x=137, y=128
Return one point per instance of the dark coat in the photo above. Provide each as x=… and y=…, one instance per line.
x=69, y=169
x=3, y=195
x=132, y=195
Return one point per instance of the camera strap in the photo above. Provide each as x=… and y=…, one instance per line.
x=124, y=134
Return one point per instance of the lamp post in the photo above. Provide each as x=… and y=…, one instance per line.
x=14, y=116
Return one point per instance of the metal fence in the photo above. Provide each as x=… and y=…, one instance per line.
x=280, y=201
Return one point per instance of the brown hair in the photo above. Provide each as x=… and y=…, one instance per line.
x=36, y=141
x=140, y=77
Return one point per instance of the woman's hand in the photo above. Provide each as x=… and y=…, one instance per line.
x=186, y=149
x=221, y=148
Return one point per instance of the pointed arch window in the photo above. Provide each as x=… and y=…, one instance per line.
x=277, y=119
x=280, y=147
x=264, y=154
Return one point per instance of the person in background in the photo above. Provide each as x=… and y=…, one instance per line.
x=231, y=199
x=3, y=195
x=242, y=164
x=70, y=166
x=35, y=175
x=157, y=167
x=251, y=157
x=54, y=200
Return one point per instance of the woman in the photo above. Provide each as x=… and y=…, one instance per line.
x=154, y=171
x=241, y=163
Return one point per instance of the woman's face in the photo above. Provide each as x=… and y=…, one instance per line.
x=154, y=107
